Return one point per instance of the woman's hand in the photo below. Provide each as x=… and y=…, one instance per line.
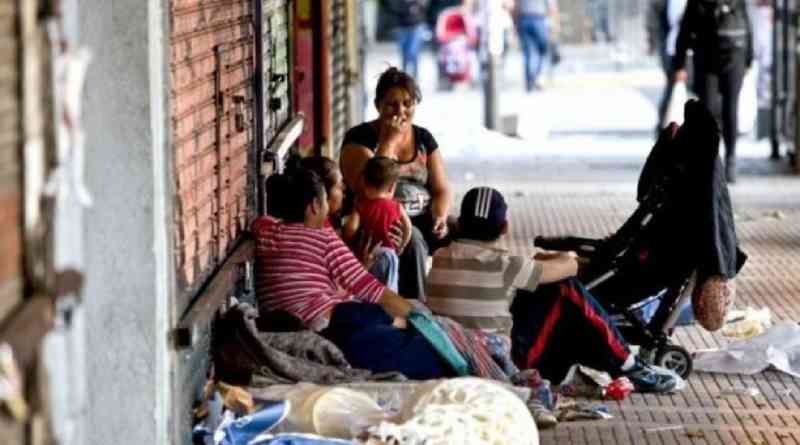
x=440, y=227
x=367, y=252
x=396, y=233
x=390, y=136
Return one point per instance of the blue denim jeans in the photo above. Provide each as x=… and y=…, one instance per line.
x=386, y=268
x=410, y=40
x=533, y=37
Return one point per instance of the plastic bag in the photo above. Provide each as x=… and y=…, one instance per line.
x=747, y=323
x=333, y=412
x=676, y=103
x=242, y=430
x=748, y=102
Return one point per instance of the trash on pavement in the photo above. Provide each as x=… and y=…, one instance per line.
x=740, y=391
x=11, y=391
x=570, y=411
x=747, y=323
x=619, y=389
x=778, y=347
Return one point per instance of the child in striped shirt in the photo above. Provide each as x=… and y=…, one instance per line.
x=553, y=321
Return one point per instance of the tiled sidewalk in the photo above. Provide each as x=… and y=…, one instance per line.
x=768, y=224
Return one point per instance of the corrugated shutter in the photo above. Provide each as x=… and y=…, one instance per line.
x=277, y=94
x=340, y=73
x=10, y=163
x=212, y=106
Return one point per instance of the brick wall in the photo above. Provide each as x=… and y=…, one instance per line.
x=212, y=45
x=10, y=162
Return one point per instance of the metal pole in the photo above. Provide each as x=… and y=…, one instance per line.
x=493, y=48
x=490, y=92
x=796, y=94
x=775, y=115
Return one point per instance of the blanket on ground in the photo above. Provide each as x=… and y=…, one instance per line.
x=244, y=355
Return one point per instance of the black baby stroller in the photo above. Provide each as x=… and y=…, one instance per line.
x=681, y=233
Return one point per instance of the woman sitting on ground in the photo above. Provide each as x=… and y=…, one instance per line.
x=422, y=189
x=382, y=262
x=305, y=269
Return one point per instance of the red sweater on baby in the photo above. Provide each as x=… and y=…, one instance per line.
x=377, y=217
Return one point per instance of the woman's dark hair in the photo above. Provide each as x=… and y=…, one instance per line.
x=327, y=170
x=394, y=78
x=302, y=187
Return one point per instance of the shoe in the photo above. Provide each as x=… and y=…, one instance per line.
x=543, y=417
x=649, y=379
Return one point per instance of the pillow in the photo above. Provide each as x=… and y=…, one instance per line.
x=711, y=301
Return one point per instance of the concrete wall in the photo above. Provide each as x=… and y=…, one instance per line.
x=128, y=263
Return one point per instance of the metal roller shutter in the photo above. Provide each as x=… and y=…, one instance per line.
x=340, y=73
x=212, y=106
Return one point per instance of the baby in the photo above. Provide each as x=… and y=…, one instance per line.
x=376, y=212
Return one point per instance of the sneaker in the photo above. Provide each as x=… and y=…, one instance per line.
x=543, y=417
x=649, y=379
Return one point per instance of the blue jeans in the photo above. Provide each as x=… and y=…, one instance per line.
x=410, y=40
x=533, y=32
x=386, y=268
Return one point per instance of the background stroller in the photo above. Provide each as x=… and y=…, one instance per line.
x=681, y=233
x=457, y=38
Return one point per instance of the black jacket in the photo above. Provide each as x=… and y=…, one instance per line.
x=700, y=31
x=695, y=185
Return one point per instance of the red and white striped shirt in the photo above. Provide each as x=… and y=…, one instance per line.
x=307, y=271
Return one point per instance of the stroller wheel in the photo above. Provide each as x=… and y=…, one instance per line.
x=675, y=358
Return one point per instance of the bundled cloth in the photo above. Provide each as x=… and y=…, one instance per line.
x=244, y=355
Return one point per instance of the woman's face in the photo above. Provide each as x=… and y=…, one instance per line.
x=397, y=102
x=336, y=195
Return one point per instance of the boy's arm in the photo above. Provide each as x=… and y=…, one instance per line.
x=558, y=268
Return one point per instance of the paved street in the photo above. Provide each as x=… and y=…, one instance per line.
x=574, y=171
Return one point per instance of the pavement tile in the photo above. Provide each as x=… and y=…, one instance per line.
x=566, y=205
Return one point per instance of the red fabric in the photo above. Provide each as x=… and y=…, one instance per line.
x=377, y=217
x=538, y=348
x=307, y=271
x=600, y=323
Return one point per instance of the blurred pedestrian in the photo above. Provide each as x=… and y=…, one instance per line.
x=409, y=18
x=599, y=15
x=720, y=34
x=533, y=19
x=763, y=19
x=663, y=24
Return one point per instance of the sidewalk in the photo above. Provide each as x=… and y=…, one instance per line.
x=575, y=172
x=589, y=109
x=558, y=198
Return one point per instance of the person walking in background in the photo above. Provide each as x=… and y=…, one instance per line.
x=663, y=24
x=409, y=18
x=720, y=34
x=599, y=15
x=532, y=18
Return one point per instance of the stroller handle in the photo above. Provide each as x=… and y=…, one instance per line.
x=582, y=246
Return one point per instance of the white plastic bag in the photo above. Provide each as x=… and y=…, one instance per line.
x=748, y=102
x=676, y=103
x=333, y=411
